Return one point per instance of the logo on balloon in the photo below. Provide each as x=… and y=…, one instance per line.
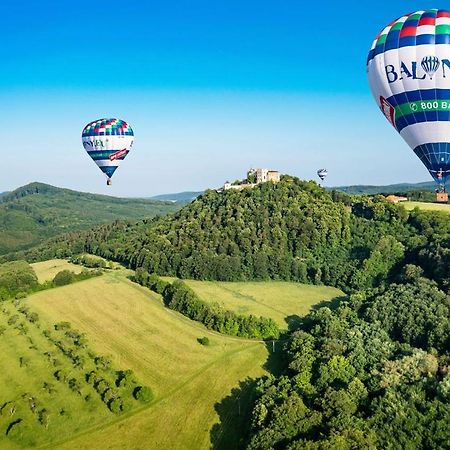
x=430, y=64
x=388, y=110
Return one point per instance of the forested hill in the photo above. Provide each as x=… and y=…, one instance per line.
x=289, y=230
x=35, y=212
x=292, y=230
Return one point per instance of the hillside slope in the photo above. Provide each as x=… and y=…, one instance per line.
x=38, y=211
x=293, y=231
x=282, y=231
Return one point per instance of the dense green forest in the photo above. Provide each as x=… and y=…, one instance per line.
x=372, y=371
x=293, y=230
x=38, y=211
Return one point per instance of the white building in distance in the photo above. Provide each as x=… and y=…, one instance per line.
x=254, y=177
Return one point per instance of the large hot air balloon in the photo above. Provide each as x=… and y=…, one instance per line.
x=409, y=74
x=322, y=173
x=108, y=142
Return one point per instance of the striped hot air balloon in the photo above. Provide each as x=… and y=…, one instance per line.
x=322, y=173
x=409, y=75
x=107, y=142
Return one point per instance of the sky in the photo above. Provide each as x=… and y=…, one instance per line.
x=210, y=89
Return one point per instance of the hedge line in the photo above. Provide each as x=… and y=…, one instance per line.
x=180, y=297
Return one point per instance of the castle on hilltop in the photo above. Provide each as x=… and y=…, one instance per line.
x=254, y=177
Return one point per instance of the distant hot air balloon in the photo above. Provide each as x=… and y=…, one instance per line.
x=108, y=142
x=409, y=75
x=322, y=173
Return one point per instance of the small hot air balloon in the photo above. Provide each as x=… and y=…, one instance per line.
x=108, y=142
x=409, y=75
x=322, y=173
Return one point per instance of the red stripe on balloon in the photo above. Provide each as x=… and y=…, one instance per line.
x=408, y=31
x=427, y=21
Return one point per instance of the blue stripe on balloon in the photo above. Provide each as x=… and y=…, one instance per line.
x=411, y=22
x=99, y=155
x=420, y=94
x=103, y=133
x=406, y=41
x=429, y=14
x=443, y=38
x=420, y=117
x=392, y=40
x=102, y=158
x=422, y=39
x=108, y=170
x=410, y=41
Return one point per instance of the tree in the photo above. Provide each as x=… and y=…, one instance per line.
x=63, y=277
x=143, y=393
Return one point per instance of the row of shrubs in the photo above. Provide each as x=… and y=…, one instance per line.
x=180, y=297
x=67, y=276
x=93, y=262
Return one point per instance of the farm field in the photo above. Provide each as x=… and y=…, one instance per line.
x=279, y=300
x=190, y=381
x=47, y=270
x=427, y=206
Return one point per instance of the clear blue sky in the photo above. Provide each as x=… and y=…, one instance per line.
x=210, y=88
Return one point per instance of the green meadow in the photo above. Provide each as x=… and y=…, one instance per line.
x=427, y=206
x=280, y=300
x=46, y=270
x=193, y=406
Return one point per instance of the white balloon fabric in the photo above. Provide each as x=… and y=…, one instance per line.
x=108, y=142
x=409, y=75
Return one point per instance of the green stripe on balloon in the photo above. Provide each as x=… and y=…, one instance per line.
x=443, y=29
x=420, y=106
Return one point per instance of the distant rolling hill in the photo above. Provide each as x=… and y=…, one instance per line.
x=179, y=197
x=38, y=211
x=390, y=188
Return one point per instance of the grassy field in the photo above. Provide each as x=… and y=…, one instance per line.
x=35, y=407
x=282, y=301
x=427, y=206
x=192, y=383
x=47, y=270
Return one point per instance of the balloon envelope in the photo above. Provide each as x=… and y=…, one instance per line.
x=409, y=75
x=322, y=173
x=107, y=142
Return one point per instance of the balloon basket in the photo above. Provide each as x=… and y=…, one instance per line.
x=109, y=182
x=441, y=197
